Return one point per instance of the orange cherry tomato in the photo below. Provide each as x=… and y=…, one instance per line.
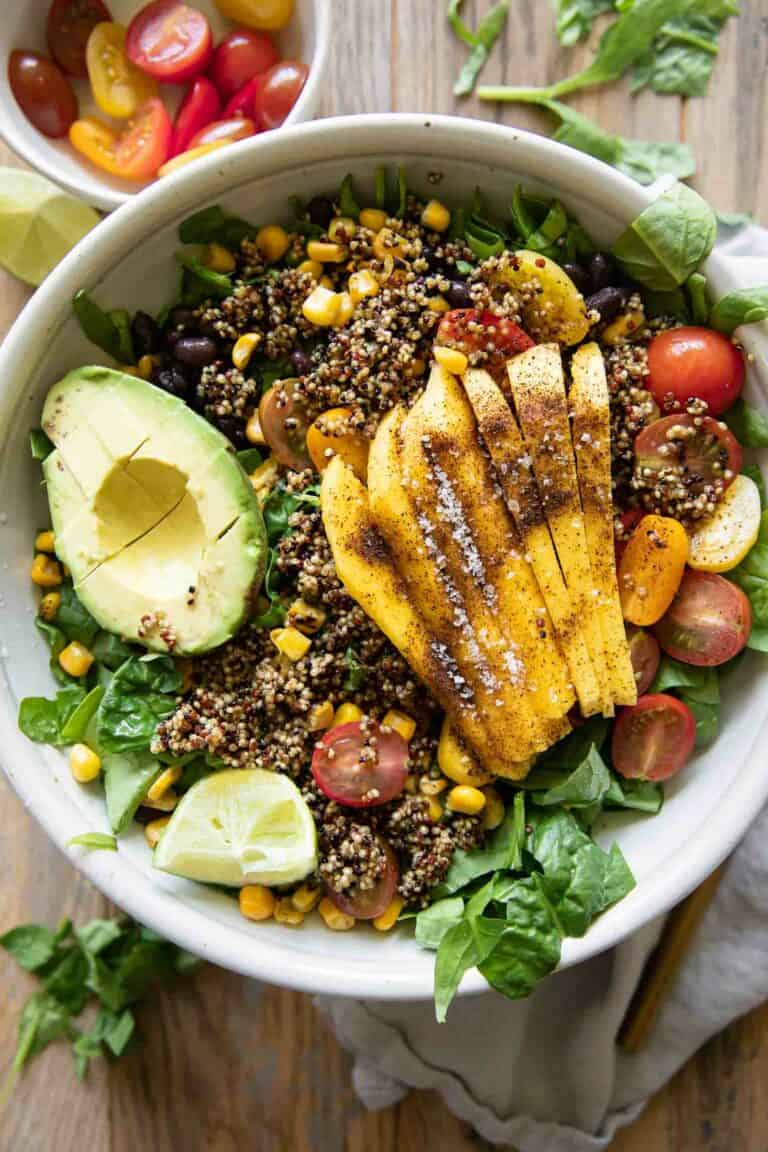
x=236, y=128
x=119, y=87
x=652, y=568
x=268, y=15
x=323, y=442
x=137, y=153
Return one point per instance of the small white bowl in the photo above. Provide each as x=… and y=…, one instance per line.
x=128, y=262
x=22, y=26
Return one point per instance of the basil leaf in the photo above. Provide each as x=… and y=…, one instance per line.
x=31, y=945
x=575, y=18
x=745, y=306
x=668, y=241
x=95, y=841
x=214, y=226
x=348, y=202
x=141, y=693
x=39, y=444
x=433, y=922
x=502, y=852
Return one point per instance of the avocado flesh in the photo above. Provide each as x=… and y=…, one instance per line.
x=152, y=513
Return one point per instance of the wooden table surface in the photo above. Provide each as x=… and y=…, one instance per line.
x=225, y=1063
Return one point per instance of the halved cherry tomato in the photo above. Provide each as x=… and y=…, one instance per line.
x=645, y=654
x=284, y=425
x=137, y=153
x=708, y=622
x=349, y=776
x=189, y=156
x=654, y=738
x=70, y=23
x=170, y=40
x=200, y=106
x=271, y=15
x=705, y=452
x=368, y=903
x=239, y=57
x=350, y=445
x=43, y=93
x=236, y=128
x=459, y=329
x=699, y=363
x=119, y=87
x=242, y=103
x=279, y=92
x=651, y=569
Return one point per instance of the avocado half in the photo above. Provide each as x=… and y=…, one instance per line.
x=152, y=513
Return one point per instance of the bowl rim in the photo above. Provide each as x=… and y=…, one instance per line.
x=114, y=873
x=108, y=199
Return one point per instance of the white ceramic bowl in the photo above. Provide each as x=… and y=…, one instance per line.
x=23, y=26
x=128, y=262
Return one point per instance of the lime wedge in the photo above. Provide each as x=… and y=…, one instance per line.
x=38, y=224
x=240, y=827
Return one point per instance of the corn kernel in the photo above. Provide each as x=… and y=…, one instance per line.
x=401, y=723
x=147, y=365
x=326, y=282
x=305, y=898
x=346, y=310
x=373, y=218
x=256, y=902
x=84, y=763
x=438, y=304
x=129, y=369
x=362, y=284
x=436, y=216
x=326, y=252
x=416, y=368
x=411, y=783
x=465, y=798
x=253, y=431
x=75, y=659
x=306, y=617
x=45, y=542
x=321, y=716
x=48, y=609
x=342, y=228
x=165, y=803
x=389, y=916
x=334, y=918
x=244, y=348
x=311, y=267
x=455, y=762
x=451, y=359
x=272, y=242
x=388, y=243
x=347, y=713
x=154, y=830
x=285, y=913
x=429, y=786
x=218, y=258
x=322, y=306
x=290, y=642
x=164, y=783
x=45, y=572
x=263, y=478
x=493, y=812
x=625, y=328
x=434, y=810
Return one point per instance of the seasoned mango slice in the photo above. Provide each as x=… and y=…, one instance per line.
x=551, y=304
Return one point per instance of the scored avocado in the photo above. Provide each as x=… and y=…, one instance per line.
x=151, y=511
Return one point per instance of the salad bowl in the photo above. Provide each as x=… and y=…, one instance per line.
x=128, y=262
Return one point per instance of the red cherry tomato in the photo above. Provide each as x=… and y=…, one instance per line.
x=243, y=101
x=170, y=40
x=43, y=93
x=279, y=92
x=288, y=445
x=349, y=777
x=654, y=738
x=241, y=56
x=368, y=903
x=645, y=654
x=705, y=457
x=200, y=106
x=506, y=336
x=70, y=23
x=708, y=622
x=694, y=362
x=236, y=128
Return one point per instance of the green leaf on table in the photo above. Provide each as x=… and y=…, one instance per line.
x=744, y=306
x=31, y=945
x=142, y=692
x=668, y=241
x=480, y=42
x=214, y=226
x=683, y=54
x=575, y=18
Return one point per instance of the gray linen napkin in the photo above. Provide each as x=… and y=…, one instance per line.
x=544, y=1074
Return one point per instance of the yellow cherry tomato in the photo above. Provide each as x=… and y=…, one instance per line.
x=119, y=87
x=323, y=444
x=191, y=154
x=651, y=569
x=269, y=15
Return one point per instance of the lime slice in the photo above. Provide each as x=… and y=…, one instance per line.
x=240, y=827
x=38, y=224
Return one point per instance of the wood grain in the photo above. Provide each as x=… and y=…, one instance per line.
x=226, y=1064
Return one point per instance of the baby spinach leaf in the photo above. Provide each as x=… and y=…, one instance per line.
x=698, y=688
x=502, y=851
x=528, y=948
x=94, y=841
x=348, y=202
x=585, y=786
x=249, y=459
x=380, y=187
x=668, y=241
x=744, y=306
x=74, y=619
x=618, y=880
x=639, y=795
x=484, y=240
x=127, y=777
x=752, y=577
x=76, y=724
x=214, y=226
x=433, y=922
x=110, y=331
x=281, y=504
x=734, y=219
x=683, y=53
x=463, y=946
x=31, y=945
x=575, y=18
x=142, y=691
x=749, y=425
x=111, y=651
x=482, y=41
x=276, y=613
x=696, y=287
x=44, y=721
x=39, y=444
x=199, y=283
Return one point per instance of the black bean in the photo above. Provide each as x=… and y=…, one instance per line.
x=608, y=302
x=181, y=318
x=320, y=211
x=602, y=271
x=233, y=429
x=145, y=334
x=171, y=380
x=195, y=350
x=579, y=275
x=300, y=362
x=172, y=338
x=458, y=294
